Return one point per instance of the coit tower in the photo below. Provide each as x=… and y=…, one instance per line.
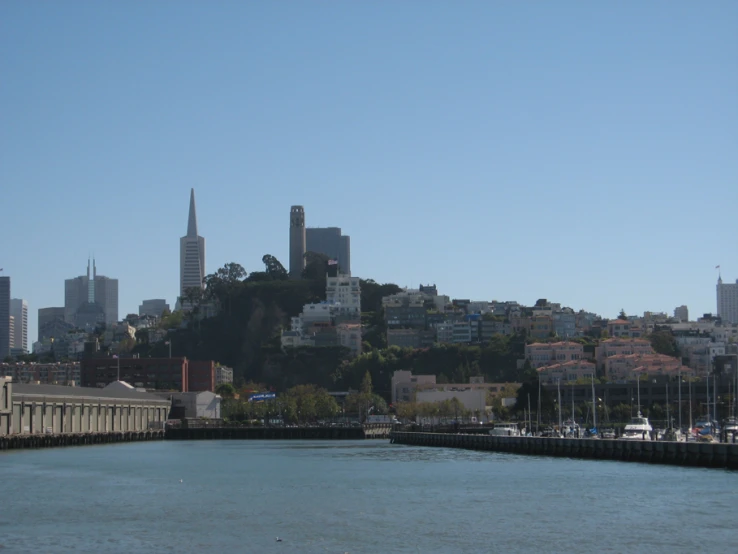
x=297, y=241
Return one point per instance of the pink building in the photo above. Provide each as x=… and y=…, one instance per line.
x=622, y=367
x=541, y=354
x=567, y=372
x=621, y=346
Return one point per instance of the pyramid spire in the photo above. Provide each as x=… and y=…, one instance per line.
x=192, y=219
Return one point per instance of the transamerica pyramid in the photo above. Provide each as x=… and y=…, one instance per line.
x=191, y=254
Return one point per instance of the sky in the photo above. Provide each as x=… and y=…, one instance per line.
x=583, y=152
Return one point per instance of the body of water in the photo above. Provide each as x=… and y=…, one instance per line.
x=356, y=497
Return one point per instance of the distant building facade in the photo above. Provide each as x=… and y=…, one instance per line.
x=46, y=317
x=90, y=299
x=681, y=313
x=19, y=311
x=178, y=374
x=43, y=373
x=223, y=375
x=542, y=354
x=297, y=241
x=5, y=330
x=191, y=254
x=153, y=307
x=330, y=241
x=727, y=301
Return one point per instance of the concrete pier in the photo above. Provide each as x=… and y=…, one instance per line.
x=714, y=455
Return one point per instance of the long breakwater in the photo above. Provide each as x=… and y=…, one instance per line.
x=713, y=455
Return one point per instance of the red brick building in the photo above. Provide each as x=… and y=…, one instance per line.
x=178, y=374
x=200, y=376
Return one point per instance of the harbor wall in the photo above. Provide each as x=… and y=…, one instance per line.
x=49, y=440
x=278, y=433
x=714, y=455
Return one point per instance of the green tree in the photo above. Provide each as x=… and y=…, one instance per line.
x=663, y=342
x=316, y=266
x=366, y=384
x=224, y=284
x=622, y=315
x=274, y=268
x=225, y=390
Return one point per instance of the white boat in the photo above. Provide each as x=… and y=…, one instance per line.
x=571, y=429
x=505, y=430
x=638, y=429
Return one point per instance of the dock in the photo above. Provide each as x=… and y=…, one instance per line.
x=692, y=454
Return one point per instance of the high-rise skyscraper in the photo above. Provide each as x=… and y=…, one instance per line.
x=4, y=317
x=330, y=241
x=19, y=311
x=91, y=299
x=727, y=301
x=297, y=241
x=191, y=254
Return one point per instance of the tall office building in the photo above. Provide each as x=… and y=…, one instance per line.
x=91, y=299
x=4, y=318
x=48, y=319
x=297, y=241
x=727, y=301
x=19, y=311
x=330, y=241
x=191, y=253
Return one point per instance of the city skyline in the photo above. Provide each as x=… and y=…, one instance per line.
x=513, y=156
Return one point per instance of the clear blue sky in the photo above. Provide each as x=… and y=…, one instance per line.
x=584, y=152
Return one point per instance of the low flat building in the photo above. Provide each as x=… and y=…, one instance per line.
x=197, y=405
x=474, y=400
x=43, y=409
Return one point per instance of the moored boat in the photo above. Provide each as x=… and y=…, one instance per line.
x=638, y=429
x=505, y=430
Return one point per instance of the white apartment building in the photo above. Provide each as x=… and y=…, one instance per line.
x=223, y=375
x=344, y=293
x=727, y=301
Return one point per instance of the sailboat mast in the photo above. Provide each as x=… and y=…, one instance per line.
x=594, y=404
x=558, y=392
x=638, y=382
x=668, y=413
x=680, y=399
x=538, y=414
x=708, y=396
x=572, y=405
x=714, y=398
x=690, y=406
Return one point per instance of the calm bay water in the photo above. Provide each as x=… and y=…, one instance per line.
x=336, y=497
